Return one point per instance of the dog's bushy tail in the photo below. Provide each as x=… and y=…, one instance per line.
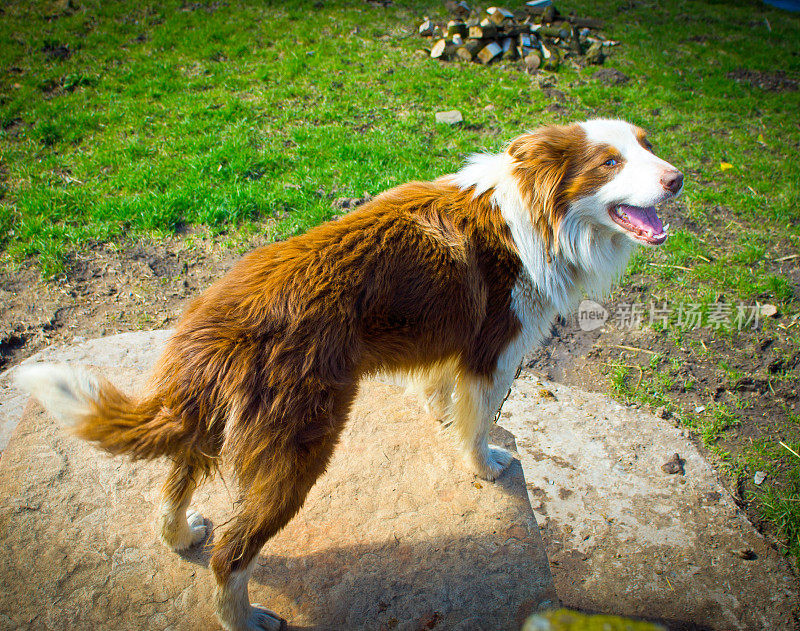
x=95, y=410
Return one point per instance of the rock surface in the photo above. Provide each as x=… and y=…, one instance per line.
x=625, y=537
x=394, y=536
x=450, y=117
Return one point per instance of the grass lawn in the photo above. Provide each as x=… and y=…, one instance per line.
x=132, y=118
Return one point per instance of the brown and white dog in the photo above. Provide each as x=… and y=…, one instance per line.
x=450, y=281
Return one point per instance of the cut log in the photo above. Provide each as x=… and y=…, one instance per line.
x=426, y=28
x=460, y=9
x=469, y=50
x=575, y=41
x=537, y=8
x=490, y=52
x=553, y=60
x=443, y=50
x=527, y=40
x=455, y=28
x=509, y=49
x=516, y=29
x=483, y=32
x=543, y=14
x=533, y=60
x=595, y=54
x=556, y=30
x=437, y=50
x=546, y=51
x=498, y=16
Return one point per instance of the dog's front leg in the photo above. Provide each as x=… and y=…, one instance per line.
x=475, y=403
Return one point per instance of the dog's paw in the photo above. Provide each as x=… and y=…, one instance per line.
x=181, y=536
x=491, y=463
x=197, y=526
x=261, y=619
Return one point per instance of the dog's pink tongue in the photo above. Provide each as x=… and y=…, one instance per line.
x=644, y=219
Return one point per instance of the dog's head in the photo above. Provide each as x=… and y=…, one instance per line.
x=601, y=174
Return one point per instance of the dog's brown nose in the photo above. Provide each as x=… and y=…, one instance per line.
x=672, y=181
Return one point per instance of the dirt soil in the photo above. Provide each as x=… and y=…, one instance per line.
x=109, y=289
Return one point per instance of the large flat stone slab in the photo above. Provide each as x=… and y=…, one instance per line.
x=394, y=536
x=623, y=536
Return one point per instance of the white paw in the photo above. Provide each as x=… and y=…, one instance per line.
x=197, y=526
x=489, y=464
x=261, y=619
x=181, y=535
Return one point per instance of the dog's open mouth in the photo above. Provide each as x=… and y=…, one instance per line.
x=643, y=223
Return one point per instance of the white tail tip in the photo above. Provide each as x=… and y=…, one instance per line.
x=62, y=390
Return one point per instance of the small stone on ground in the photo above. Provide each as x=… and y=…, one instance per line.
x=451, y=117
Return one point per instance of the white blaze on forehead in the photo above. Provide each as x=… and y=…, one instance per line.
x=620, y=135
x=616, y=133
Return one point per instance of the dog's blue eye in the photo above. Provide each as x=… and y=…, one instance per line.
x=610, y=163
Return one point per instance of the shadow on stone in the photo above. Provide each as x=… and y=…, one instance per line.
x=470, y=583
x=394, y=536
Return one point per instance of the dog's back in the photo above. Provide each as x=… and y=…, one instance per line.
x=263, y=357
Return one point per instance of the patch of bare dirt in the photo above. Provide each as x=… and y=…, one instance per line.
x=777, y=81
x=109, y=289
x=56, y=51
x=610, y=76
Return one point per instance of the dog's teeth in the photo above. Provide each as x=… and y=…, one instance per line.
x=665, y=228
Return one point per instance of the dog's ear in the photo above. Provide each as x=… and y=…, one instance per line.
x=543, y=161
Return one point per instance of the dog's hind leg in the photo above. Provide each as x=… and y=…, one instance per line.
x=270, y=499
x=434, y=387
x=179, y=526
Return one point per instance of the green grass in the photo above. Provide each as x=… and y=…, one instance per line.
x=163, y=117
x=782, y=507
x=246, y=117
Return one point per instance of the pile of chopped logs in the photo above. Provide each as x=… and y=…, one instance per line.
x=537, y=34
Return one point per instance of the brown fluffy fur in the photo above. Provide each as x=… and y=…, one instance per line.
x=263, y=367
x=557, y=166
